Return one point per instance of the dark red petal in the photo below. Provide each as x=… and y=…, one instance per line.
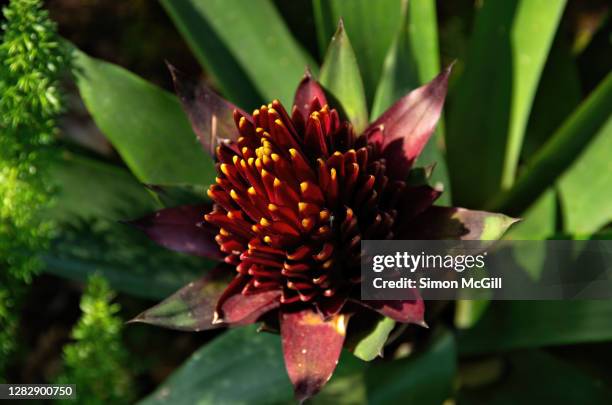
x=311, y=347
x=239, y=309
x=414, y=201
x=456, y=223
x=307, y=90
x=193, y=306
x=409, y=123
x=181, y=229
x=211, y=116
x=406, y=311
x=330, y=306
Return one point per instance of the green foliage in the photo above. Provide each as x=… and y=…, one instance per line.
x=32, y=60
x=514, y=145
x=97, y=361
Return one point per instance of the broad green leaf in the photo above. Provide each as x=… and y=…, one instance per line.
x=372, y=344
x=533, y=31
x=341, y=78
x=493, y=98
x=423, y=35
x=585, y=189
x=468, y=312
x=538, y=222
x=360, y=18
x=212, y=53
x=239, y=367
x=92, y=189
x=253, y=34
x=347, y=385
x=412, y=61
x=509, y=325
x=130, y=263
x=559, y=93
x=400, y=73
x=423, y=379
x=537, y=377
x=553, y=158
x=144, y=123
x=243, y=366
x=92, y=198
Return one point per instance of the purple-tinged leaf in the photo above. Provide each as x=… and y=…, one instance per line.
x=405, y=311
x=211, y=116
x=457, y=223
x=415, y=200
x=311, y=347
x=243, y=309
x=192, y=307
x=307, y=91
x=404, y=129
x=181, y=229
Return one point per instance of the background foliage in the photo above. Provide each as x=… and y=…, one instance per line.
x=527, y=131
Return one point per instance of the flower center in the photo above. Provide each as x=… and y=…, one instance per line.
x=294, y=197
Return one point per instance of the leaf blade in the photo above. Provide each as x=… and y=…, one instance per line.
x=261, y=45
x=340, y=76
x=144, y=123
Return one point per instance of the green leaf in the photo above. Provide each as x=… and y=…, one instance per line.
x=212, y=53
x=360, y=16
x=589, y=120
x=92, y=198
x=399, y=75
x=341, y=78
x=539, y=222
x=243, y=366
x=533, y=31
x=423, y=379
x=347, y=385
x=144, y=123
x=239, y=367
x=585, y=189
x=93, y=189
x=372, y=344
x=493, y=98
x=509, y=325
x=541, y=377
x=423, y=34
x=413, y=60
x=192, y=307
x=253, y=34
x=468, y=312
x=559, y=93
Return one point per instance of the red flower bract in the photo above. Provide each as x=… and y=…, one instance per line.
x=294, y=196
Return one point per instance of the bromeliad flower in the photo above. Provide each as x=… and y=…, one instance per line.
x=295, y=194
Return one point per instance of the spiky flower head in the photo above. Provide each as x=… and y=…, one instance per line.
x=295, y=194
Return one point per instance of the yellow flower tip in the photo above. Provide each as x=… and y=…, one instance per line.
x=224, y=169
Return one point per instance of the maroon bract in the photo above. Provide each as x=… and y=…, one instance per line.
x=294, y=196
